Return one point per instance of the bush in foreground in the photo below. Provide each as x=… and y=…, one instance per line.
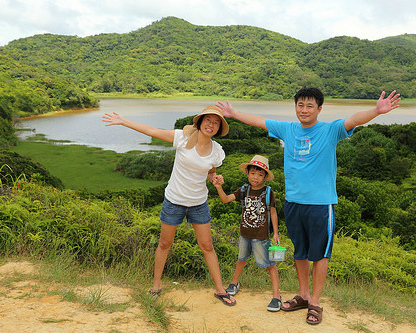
x=42, y=221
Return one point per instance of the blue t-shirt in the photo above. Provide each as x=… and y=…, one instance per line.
x=310, y=162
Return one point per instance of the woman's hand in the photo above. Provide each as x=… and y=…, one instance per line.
x=113, y=119
x=218, y=180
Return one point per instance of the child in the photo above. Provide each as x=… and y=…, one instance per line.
x=254, y=226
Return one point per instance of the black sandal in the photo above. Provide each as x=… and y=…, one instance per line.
x=224, y=297
x=155, y=293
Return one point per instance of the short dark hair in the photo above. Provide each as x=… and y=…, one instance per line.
x=307, y=93
x=199, y=122
x=255, y=167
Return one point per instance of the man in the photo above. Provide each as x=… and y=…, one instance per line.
x=310, y=180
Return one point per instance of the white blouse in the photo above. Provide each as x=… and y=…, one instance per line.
x=187, y=183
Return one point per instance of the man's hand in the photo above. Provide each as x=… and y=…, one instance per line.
x=227, y=109
x=389, y=103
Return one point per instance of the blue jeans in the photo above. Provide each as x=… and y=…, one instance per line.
x=259, y=248
x=174, y=214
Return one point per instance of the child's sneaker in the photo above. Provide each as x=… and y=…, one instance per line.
x=275, y=304
x=233, y=289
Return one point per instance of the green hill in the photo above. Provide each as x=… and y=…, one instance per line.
x=407, y=40
x=172, y=56
x=27, y=90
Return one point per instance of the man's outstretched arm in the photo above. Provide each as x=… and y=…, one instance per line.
x=249, y=119
x=384, y=105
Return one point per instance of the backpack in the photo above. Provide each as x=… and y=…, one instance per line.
x=244, y=192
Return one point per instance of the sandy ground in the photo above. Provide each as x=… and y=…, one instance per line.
x=26, y=306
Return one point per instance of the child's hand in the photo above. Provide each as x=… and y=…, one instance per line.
x=218, y=180
x=276, y=238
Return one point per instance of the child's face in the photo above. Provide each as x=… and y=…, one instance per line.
x=256, y=177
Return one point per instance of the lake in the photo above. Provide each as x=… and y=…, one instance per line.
x=87, y=128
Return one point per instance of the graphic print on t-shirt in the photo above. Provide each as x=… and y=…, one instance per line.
x=303, y=147
x=254, y=215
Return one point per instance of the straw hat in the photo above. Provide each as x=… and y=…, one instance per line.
x=192, y=131
x=261, y=162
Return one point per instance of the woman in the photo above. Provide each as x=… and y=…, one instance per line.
x=196, y=160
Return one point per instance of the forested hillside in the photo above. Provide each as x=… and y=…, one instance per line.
x=172, y=56
x=408, y=40
x=27, y=90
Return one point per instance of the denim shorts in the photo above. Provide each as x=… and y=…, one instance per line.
x=174, y=214
x=259, y=248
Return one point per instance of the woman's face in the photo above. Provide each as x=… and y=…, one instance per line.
x=210, y=124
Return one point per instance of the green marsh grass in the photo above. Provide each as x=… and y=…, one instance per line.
x=81, y=167
x=179, y=96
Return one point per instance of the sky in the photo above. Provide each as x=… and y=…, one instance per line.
x=307, y=20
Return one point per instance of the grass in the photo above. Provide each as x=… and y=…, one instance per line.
x=74, y=164
x=179, y=96
x=383, y=301
x=54, y=321
x=62, y=276
x=98, y=300
x=389, y=304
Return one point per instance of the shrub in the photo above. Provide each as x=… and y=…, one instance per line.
x=374, y=261
x=41, y=220
x=139, y=198
x=153, y=165
x=19, y=166
x=371, y=154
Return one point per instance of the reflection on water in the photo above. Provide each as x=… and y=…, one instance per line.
x=87, y=128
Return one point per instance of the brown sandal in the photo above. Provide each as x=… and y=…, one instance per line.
x=315, y=312
x=296, y=303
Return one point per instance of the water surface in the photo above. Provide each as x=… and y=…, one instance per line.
x=87, y=128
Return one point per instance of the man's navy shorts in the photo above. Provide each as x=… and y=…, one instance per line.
x=311, y=229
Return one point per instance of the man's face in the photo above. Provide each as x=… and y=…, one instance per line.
x=307, y=111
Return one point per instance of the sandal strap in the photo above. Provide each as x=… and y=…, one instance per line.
x=315, y=308
x=296, y=300
x=315, y=311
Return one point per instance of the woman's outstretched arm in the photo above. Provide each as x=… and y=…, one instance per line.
x=117, y=119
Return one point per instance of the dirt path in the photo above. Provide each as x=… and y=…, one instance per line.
x=27, y=307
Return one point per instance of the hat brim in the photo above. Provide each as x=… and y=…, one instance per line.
x=216, y=111
x=269, y=174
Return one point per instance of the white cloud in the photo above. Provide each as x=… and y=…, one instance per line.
x=307, y=20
